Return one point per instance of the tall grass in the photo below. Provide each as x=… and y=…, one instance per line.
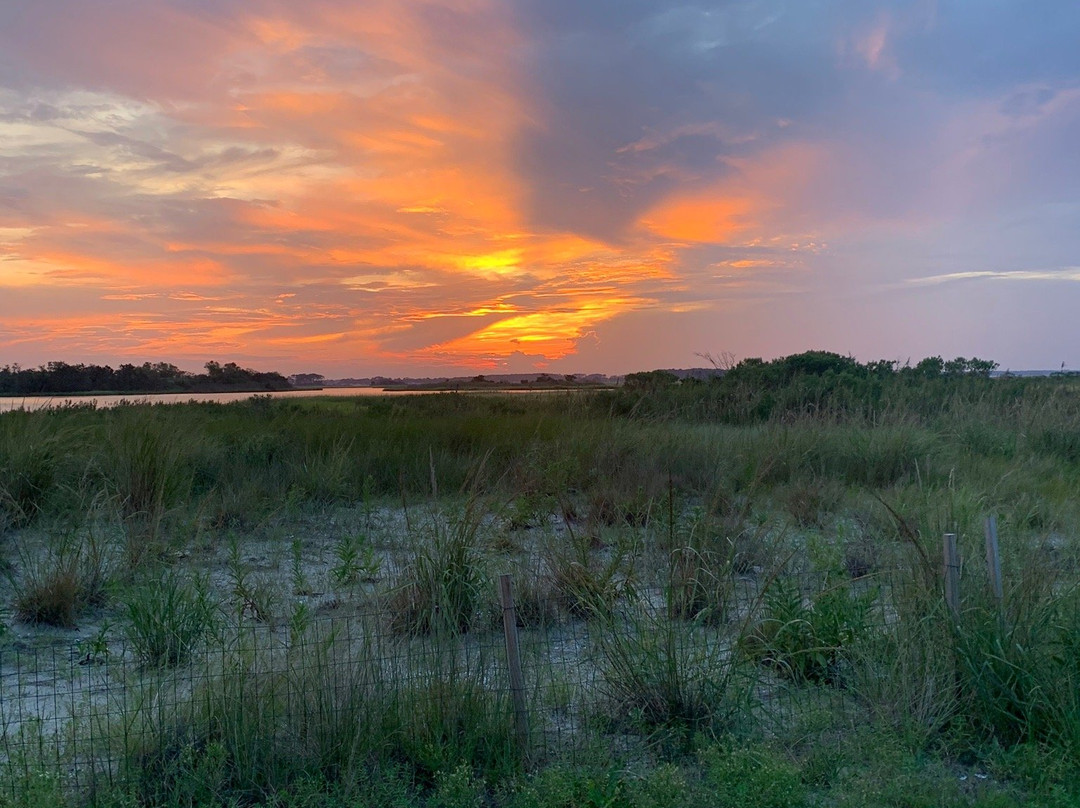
x=168, y=616
x=145, y=474
x=441, y=588
x=53, y=587
x=328, y=706
x=28, y=467
x=679, y=528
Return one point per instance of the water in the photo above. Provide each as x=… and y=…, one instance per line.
x=44, y=402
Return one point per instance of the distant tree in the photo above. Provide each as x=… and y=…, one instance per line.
x=882, y=368
x=650, y=380
x=307, y=379
x=929, y=368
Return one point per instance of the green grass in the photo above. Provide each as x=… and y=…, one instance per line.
x=740, y=582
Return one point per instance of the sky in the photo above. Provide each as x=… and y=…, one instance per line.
x=428, y=187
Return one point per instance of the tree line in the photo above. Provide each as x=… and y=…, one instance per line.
x=149, y=377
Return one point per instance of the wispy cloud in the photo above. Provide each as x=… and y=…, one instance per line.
x=1060, y=274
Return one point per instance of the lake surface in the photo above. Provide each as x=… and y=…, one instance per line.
x=43, y=402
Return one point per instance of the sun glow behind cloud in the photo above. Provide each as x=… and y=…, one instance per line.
x=347, y=176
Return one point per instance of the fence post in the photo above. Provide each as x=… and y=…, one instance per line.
x=513, y=663
x=952, y=574
x=993, y=560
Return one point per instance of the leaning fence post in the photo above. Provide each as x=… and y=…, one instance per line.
x=993, y=560
x=952, y=574
x=513, y=662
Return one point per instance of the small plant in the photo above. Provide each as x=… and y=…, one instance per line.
x=528, y=510
x=299, y=622
x=167, y=618
x=355, y=560
x=253, y=597
x=752, y=778
x=809, y=641
x=297, y=573
x=458, y=788
x=95, y=650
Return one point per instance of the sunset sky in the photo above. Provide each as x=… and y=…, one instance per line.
x=355, y=187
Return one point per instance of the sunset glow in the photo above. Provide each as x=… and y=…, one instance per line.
x=431, y=186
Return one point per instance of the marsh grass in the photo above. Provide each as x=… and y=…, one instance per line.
x=697, y=566
x=28, y=467
x=667, y=676
x=168, y=615
x=587, y=582
x=442, y=586
x=1018, y=666
x=701, y=570
x=326, y=708
x=55, y=586
x=145, y=474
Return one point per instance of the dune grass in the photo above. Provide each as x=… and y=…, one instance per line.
x=750, y=575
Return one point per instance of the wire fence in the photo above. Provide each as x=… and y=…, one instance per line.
x=563, y=672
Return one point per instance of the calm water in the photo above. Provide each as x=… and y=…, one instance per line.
x=41, y=402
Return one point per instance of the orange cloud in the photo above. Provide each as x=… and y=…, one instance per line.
x=764, y=199
x=342, y=211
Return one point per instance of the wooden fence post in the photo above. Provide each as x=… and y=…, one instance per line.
x=952, y=574
x=513, y=662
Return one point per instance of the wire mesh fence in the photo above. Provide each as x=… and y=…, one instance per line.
x=327, y=691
